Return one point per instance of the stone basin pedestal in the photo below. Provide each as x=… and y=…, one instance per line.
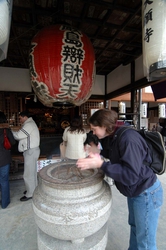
x=71, y=208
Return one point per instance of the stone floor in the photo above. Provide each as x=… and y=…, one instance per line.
x=19, y=231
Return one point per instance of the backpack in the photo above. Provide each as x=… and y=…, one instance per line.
x=156, y=145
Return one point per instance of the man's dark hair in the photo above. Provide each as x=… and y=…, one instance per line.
x=24, y=113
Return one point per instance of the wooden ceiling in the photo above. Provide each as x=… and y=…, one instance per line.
x=113, y=26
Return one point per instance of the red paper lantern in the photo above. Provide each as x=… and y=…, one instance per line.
x=62, y=66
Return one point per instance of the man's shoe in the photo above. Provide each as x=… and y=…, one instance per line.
x=24, y=198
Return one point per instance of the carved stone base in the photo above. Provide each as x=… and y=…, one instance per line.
x=96, y=241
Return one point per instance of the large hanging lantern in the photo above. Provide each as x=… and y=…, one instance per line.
x=154, y=38
x=62, y=66
x=5, y=21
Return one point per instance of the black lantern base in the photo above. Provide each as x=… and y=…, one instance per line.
x=157, y=70
x=63, y=105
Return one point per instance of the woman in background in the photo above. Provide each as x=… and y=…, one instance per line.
x=74, y=138
x=5, y=161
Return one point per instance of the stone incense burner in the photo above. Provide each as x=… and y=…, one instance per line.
x=71, y=208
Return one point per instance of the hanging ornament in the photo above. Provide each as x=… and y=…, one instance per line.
x=122, y=110
x=161, y=110
x=62, y=66
x=144, y=110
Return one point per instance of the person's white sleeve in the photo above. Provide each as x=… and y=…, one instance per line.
x=19, y=135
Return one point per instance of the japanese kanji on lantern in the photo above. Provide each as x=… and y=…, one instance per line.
x=154, y=38
x=62, y=66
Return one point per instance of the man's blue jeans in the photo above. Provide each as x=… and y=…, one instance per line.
x=5, y=188
x=144, y=211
